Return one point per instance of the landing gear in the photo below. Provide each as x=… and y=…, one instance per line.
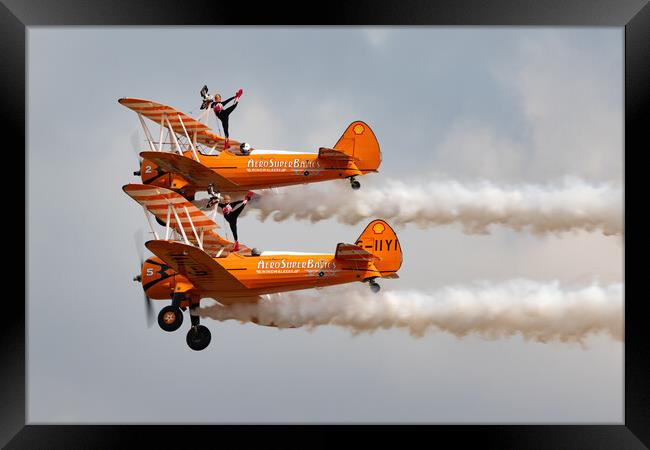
x=374, y=286
x=198, y=337
x=354, y=183
x=160, y=221
x=170, y=318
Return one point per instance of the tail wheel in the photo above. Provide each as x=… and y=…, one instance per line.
x=170, y=318
x=374, y=287
x=355, y=184
x=198, y=337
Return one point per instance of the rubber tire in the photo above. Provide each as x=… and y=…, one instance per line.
x=160, y=221
x=174, y=325
x=375, y=287
x=198, y=338
x=355, y=185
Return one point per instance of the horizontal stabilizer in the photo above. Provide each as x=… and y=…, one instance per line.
x=390, y=275
x=333, y=154
x=352, y=252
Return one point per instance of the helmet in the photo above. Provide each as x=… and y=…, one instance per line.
x=245, y=147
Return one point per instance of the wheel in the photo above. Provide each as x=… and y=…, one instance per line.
x=160, y=221
x=170, y=318
x=198, y=337
x=355, y=184
x=374, y=287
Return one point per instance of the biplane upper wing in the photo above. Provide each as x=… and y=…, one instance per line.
x=190, y=169
x=334, y=154
x=352, y=252
x=203, y=272
x=168, y=116
x=158, y=200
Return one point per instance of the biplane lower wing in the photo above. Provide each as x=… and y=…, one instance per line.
x=193, y=171
x=203, y=272
x=352, y=252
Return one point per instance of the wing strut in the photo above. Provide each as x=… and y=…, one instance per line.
x=147, y=133
x=146, y=214
x=188, y=138
x=196, y=235
x=167, y=227
x=178, y=221
x=171, y=131
x=160, y=139
x=170, y=209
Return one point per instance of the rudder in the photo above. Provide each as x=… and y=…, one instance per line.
x=360, y=141
x=381, y=240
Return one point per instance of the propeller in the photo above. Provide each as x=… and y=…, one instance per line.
x=139, y=246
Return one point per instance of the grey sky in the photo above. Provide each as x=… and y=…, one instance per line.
x=525, y=105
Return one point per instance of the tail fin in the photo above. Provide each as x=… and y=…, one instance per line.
x=359, y=141
x=379, y=239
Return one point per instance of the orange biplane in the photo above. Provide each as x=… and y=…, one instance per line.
x=192, y=262
x=189, y=158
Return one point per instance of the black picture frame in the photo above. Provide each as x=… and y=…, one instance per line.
x=634, y=15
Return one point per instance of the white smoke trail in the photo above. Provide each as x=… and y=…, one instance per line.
x=538, y=311
x=571, y=205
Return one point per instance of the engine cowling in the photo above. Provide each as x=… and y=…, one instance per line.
x=151, y=173
x=159, y=281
